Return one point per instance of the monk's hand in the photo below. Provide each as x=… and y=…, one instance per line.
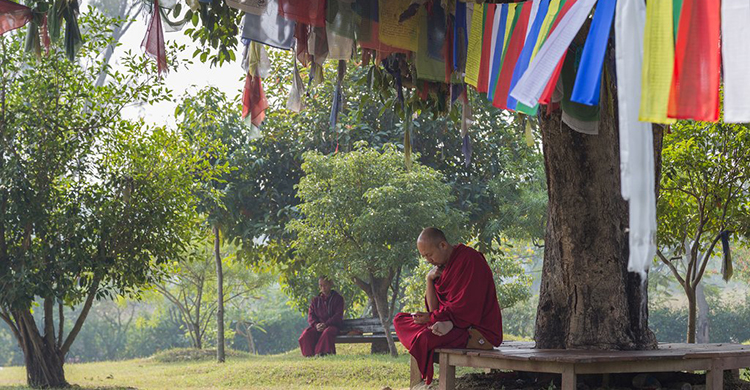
x=434, y=273
x=441, y=328
x=320, y=326
x=420, y=317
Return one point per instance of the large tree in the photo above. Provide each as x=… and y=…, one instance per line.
x=92, y=203
x=361, y=212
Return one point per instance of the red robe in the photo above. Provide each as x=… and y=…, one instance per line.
x=467, y=297
x=329, y=311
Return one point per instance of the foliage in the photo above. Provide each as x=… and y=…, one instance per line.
x=93, y=205
x=703, y=192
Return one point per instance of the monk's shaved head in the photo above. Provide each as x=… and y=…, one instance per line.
x=434, y=247
x=432, y=235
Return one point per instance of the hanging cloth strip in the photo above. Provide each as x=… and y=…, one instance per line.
x=153, y=42
x=515, y=45
x=636, y=138
x=735, y=47
x=254, y=103
x=338, y=95
x=13, y=16
x=726, y=261
x=528, y=48
x=498, y=44
x=539, y=74
x=340, y=28
x=295, y=102
x=658, y=62
x=269, y=28
x=484, y=63
x=589, y=76
x=258, y=63
x=311, y=12
x=474, y=50
x=318, y=43
x=428, y=67
x=301, y=35
x=548, y=90
x=460, y=38
x=579, y=117
x=697, y=65
x=401, y=35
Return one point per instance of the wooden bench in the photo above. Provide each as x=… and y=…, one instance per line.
x=368, y=330
x=521, y=356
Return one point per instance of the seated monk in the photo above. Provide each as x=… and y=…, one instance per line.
x=325, y=316
x=461, y=303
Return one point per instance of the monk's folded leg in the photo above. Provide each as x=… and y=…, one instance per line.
x=421, y=342
x=327, y=342
x=308, y=340
x=406, y=329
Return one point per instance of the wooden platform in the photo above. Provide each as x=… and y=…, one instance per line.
x=521, y=356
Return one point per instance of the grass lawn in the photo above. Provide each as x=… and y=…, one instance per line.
x=352, y=368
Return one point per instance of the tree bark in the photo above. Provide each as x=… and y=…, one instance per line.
x=588, y=299
x=690, y=293
x=220, y=299
x=702, y=334
x=43, y=359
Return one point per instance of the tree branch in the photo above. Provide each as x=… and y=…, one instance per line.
x=6, y=317
x=49, y=326
x=81, y=317
x=706, y=257
x=61, y=325
x=671, y=267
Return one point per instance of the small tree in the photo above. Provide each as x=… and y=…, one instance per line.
x=704, y=194
x=191, y=287
x=361, y=214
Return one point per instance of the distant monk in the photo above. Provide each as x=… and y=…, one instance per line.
x=461, y=303
x=325, y=316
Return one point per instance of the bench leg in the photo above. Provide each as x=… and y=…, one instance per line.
x=569, y=379
x=715, y=379
x=447, y=374
x=415, y=377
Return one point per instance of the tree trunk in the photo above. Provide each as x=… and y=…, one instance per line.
x=702, y=336
x=690, y=293
x=380, y=296
x=220, y=299
x=43, y=359
x=588, y=299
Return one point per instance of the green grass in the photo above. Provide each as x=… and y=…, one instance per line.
x=352, y=368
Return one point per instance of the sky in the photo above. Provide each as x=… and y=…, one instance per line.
x=228, y=78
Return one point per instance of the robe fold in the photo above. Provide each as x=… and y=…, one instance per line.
x=467, y=297
x=329, y=311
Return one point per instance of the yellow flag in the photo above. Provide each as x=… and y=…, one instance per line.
x=474, y=51
x=658, y=62
x=392, y=33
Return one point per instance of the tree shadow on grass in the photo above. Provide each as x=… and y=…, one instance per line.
x=72, y=387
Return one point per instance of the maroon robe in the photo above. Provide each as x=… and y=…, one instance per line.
x=467, y=297
x=329, y=311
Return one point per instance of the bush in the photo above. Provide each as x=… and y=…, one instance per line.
x=727, y=323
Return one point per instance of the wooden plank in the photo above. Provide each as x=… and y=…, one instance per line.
x=506, y=364
x=569, y=378
x=616, y=367
x=353, y=339
x=447, y=373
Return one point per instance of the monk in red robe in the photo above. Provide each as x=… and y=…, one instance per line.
x=325, y=316
x=461, y=300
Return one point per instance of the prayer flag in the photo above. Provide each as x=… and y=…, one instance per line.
x=484, y=64
x=589, y=76
x=498, y=45
x=658, y=62
x=529, y=43
x=269, y=28
x=401, y=35
x=474, y=50
x=153, y=42
x=13, y=16
x=515, y=45
x=735, y=35
x=697, y=65
x=312, y=12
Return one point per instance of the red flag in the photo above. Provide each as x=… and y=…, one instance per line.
x=153, y=42
x=254, y=101
x=312, y=12
x=546, y=96
x=13, y=16
x=484, y=62
x=697, y=62
x=301, y=33
x=518, y=36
